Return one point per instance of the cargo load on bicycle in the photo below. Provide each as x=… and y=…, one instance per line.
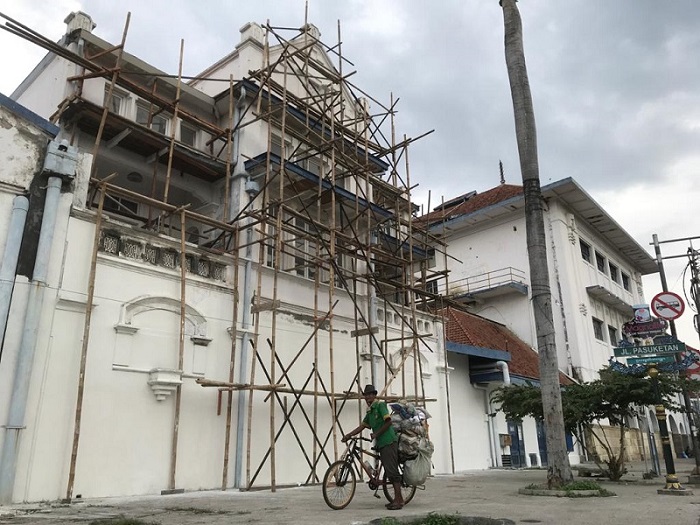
x=410, y=425
x=415, y=447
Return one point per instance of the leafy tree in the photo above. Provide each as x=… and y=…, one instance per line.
x=614, y=397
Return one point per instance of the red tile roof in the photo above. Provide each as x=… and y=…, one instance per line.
x=469, y=329
x=477, y=202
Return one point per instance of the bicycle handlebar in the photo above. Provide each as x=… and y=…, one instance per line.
x=358, y=438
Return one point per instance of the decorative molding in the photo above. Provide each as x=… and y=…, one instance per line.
x=72, y=301
x=367, y=356
x=240, y=331
x=195, y=321
x=201, y=341
x=443, y=368
x=164, y=381
x=126, y=329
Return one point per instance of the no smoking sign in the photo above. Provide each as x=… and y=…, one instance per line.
x=667, y=305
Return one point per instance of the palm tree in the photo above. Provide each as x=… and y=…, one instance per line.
x=559, y=471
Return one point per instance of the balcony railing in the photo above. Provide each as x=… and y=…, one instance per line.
x=503, y=279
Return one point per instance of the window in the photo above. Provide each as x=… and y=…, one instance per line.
x=276, y=146
x=304, y=249
x=585, y=250
x=598, y=329
x=120, y=205
x=432, y=286
x=612, y=333
x=626, y=281
x=188, y=135
x=600, y=262
x=117, y=102
x=158, y=122
x=614, y=272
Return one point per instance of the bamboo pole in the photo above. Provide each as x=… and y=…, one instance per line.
x=86, y=340
x=171, y=149
x=417, y=365
x=181, y=350
x=261, y=262
x=275, y=283
x=232, y=361
x=229, y=143
x=108, y=98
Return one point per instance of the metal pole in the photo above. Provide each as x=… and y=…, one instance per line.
x=672, y=482
x=686, y=397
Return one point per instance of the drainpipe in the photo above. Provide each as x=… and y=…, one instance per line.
x=20, y=205
x=60, y=161
x=490, y=426
x=251, y=188
x=25, y=357
x=503, y=367
x=238, y=171
x=246, y=325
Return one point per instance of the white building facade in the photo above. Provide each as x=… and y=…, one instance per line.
x=206, y=326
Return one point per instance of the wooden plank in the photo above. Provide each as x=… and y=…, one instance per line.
x=364, y=331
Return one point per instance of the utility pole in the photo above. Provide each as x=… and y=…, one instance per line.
x=695, y=294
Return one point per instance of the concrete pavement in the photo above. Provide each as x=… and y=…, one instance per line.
x=492, y=493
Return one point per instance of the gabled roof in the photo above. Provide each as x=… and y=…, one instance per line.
x=506, y=198
x=468, y=329
x=471, y=202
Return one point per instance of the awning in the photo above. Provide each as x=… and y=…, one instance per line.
x=478, y=351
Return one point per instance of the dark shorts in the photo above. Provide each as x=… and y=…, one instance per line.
x=389, y=455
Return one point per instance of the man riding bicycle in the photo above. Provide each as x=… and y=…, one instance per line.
x=379, y=420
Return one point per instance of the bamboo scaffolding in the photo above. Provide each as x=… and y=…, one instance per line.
x=324, y=123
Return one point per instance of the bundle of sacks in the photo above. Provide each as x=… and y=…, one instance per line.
x=410, y=424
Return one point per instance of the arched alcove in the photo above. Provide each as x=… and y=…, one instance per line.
x=195, y=322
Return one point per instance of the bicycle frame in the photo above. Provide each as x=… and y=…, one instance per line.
x=340, y=479
x=354, y=455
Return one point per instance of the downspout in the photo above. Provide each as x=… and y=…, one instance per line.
x=238, y=172
x=490, y=425
x=25, y=357
x=503, y=367
x=20, y=206
x=242, y=179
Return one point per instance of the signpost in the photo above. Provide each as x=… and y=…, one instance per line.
x=667, y=305
x=652, y=327
x=640, y=351
x=651, y=360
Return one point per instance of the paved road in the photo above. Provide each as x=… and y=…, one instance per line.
x=492, y=493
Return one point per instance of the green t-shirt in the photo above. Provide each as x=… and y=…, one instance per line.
x=376, y=415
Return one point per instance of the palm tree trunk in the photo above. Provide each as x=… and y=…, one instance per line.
x=559, y=471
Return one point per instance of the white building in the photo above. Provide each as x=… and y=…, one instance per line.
x=210, y=324
x=595, y=268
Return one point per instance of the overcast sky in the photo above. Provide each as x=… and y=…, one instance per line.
x=614, y=84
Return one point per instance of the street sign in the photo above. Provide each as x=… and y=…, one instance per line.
x=667, y=305
x=650, y=360
x=639, y=351
x=655, y=326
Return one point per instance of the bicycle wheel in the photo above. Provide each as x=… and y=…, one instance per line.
x=407, y=491
x=339, y=485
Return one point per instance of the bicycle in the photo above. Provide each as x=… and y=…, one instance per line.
x=340, y=480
